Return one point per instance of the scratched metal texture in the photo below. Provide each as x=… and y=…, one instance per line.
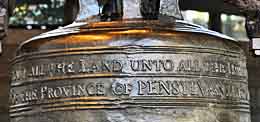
x=135, y=70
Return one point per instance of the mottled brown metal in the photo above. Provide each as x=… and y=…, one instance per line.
x=136, y=69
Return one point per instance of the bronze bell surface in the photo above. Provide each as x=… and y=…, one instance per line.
x=129, y=61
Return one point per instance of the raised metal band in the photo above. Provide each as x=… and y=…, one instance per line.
x=113, y=79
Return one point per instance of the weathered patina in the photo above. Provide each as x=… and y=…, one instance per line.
x=129, y=61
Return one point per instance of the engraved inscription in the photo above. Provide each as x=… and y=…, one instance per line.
x=120, y=80
x=152, y=65
x=189, y=66
x=118, y=64
x=222, y=67
x=215, y=89
x=103, y=66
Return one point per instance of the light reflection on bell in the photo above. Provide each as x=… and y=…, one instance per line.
x=129, y=61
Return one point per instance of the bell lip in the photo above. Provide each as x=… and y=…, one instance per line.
x=75, y=28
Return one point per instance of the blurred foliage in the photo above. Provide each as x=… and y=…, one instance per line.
x=51, y=12
x=38, y=12
x=232, y=25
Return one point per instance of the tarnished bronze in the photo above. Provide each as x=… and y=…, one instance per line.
x=129, y=61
